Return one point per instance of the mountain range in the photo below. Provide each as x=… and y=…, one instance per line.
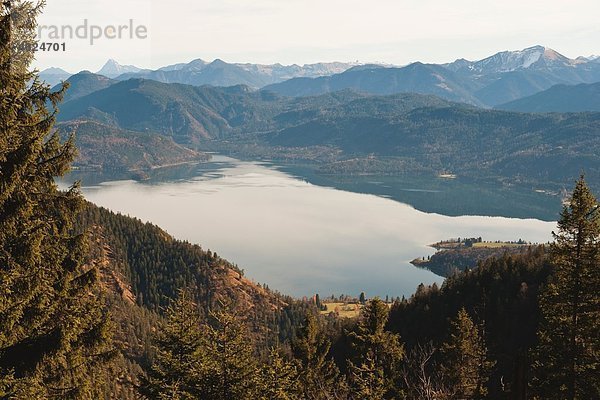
x=498, y=79
x=415, y=78
x=495, y=80
x=216, y=73
x=350, y=132
x=220, y=73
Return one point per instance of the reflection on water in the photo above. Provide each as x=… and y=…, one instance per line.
x=297, y=237
x=461, y=196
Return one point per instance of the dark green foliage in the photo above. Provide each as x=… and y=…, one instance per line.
x=447, y=262
x=319, y=376
x=202, y=358
x=177, y=370
x=368, y=380
x=567, y=364
x=212, y=356
x=54, y=328
x=155, y=264
x=503, y=293
x=559, y=98
x=232, y=366
x=465, y=365
x=352, y=133
x=279, y=378
x=375, y=371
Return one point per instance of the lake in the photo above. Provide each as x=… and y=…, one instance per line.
x=297, y=237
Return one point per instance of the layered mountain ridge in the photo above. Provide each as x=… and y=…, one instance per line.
x=351, y=132
x=503, y=77
x=495, y=80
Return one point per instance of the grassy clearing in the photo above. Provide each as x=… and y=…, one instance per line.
x=494, y=245
x=344, y=310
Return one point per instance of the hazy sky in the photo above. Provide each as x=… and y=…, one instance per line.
x=307, y=31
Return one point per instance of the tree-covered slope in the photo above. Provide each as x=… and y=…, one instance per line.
x=502, y=294
x=412, y=132
x=156, y=265
x=415, y=78
x=467, y=141
x=106, y=147
x=559, y=98
x=186, y=113
x=143, y=269
x=84, y=83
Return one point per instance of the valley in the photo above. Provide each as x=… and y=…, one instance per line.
x=256, y=230
x=343, y=134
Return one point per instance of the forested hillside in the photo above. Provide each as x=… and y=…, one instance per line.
x=421, y=78
x=106, y=147
x=406, y=133
x=559, y=98
x=143, y=270
x=501, y=295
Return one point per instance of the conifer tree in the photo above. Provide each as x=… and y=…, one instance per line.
x=202, y=357
x=368, y=380
x=567, y=360
x=178, y=369
x=465, y=365
x=279, y=379
x=319, y=376
x=53, y=326
x=375, y=372
x=232, y=369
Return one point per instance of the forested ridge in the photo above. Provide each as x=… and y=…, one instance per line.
x=448, y=261
x=96, y=305
x=352, y=133
x=142, y=270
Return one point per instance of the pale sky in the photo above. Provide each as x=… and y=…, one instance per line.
x=307, y=31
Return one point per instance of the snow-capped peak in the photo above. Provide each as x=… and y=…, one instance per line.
x=530, y=57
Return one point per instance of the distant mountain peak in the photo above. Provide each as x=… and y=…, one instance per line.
x=52, y=76
x=221, y=64
x=508, y=61
x=112, y=69
x=111, y=63
x=54, y=70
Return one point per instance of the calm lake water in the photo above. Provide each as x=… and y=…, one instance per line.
x=297, y=237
